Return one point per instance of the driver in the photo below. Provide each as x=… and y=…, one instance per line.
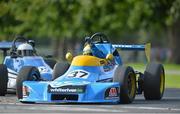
x=91, y=49
x=25, y=49
x=87, y=50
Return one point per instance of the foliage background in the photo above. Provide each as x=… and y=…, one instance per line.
x=62, y=24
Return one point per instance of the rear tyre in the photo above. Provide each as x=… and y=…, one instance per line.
x=50, y=62
x=154, y=81
x=59, y=69
x=127, y=79
x=3, y=79
x=27, y=73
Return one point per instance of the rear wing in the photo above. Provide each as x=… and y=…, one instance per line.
x=146, y=48
x=5, y=46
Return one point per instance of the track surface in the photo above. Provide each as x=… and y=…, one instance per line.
x=169, y=104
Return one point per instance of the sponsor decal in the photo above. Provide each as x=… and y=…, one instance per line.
x=25, y=91
x=67, y=89
x=42, y=69
x=112, y=93
x=109, y=66
x=106, y=68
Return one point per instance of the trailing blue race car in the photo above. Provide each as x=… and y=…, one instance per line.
x=22, y=53
x=96, y=76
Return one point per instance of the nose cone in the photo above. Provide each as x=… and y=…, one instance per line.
x=86, y=60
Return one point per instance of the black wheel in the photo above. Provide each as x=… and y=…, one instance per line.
x=154, y=81
x=27, y=73
x=59, y=69
x=127, y=79
x=50, y=62
x=3, y=79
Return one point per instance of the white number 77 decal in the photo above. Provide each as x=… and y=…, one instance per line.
x=78, y=74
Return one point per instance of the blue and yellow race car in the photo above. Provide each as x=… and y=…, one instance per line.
x=96, y=76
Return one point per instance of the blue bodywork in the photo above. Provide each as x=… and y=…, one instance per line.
x=15, y=64
x=95, y=85
x=81, y=84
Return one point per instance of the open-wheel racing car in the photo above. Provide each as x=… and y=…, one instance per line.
x=96, y=76
x=22, y=54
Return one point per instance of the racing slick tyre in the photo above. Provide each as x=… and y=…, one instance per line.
x=3, y=79
x=127, y=79
x=59, y=69
x=154, y=81
x=27, y=73
x=50, y=62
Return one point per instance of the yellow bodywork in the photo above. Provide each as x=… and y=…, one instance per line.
x=87, y=60
x=109, y=57
x=69, y=57
x=148, y=51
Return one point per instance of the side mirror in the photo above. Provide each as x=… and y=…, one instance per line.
x=69, y=57
x=109, y=57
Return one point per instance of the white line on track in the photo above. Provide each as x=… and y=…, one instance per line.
x=64, y=108
x=13, y=106
x=151, y=108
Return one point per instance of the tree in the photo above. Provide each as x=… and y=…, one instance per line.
x=158, y=17
x=7, y=21
x=69, y=20
x=39, y=18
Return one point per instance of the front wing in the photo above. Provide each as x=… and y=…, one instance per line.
x=42, y=92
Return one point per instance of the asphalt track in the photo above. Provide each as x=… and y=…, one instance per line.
x=169, y=104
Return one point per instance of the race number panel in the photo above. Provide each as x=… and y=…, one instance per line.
x=78, y=74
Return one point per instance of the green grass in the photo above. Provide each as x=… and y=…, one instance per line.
x=172, y=67
x=172, y=80
x=166, y=66
x=1, y=58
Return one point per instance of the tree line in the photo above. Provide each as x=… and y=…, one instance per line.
x=136, y=21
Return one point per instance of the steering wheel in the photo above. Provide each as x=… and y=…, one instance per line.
x=18, y=38
x=99, y=38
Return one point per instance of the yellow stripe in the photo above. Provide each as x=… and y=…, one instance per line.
x=87, y=60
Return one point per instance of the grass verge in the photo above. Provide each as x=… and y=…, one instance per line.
x=172, y=79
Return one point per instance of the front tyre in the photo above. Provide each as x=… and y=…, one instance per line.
x=127, y=79
x=27, y=73
x=60, y=69
x=50, y=62
x=154, y=81
x=3, y=79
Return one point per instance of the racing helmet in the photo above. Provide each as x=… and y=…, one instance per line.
x=87, y=50
x=25, y=49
